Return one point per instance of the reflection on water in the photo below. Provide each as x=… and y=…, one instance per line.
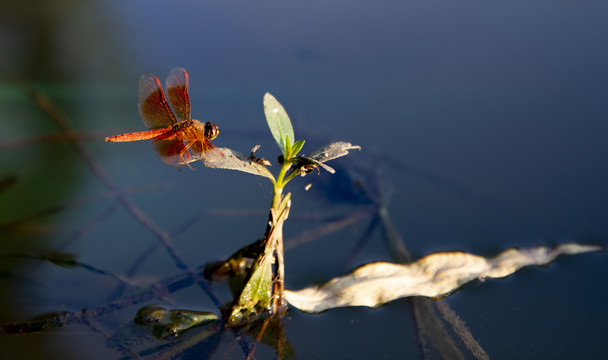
x=497, y=110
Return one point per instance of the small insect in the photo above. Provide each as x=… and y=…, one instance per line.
x=175, y=142
x=308, y=164
x=255, y=159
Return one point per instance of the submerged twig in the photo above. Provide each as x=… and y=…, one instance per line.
x=60, y=119
x=427, y=321
x=461, y=330
x=158, y=290
x=310, y=235
x=69, y=261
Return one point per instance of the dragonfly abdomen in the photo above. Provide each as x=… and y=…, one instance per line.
x=140, y=135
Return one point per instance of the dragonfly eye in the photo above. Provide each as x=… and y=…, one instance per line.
x=211, y=130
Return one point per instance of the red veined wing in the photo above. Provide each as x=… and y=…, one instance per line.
x=177, y=91
x=171, y=151
x=202, y=148
x=153, y=107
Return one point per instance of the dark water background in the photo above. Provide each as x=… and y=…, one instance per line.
x=488, y=122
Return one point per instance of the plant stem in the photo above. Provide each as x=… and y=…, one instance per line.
x=279, y=212
x=279, y=184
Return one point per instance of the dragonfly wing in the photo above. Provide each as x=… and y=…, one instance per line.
x=172, y=152
x=204, y=149
x=153, y=107
x=177, y=91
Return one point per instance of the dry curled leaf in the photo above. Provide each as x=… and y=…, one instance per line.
x=225, y=158
x=333, y=151
x=434, y=275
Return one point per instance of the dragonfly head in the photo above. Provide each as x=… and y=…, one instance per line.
x=211, y=130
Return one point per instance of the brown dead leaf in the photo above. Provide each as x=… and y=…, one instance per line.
x=434, y=275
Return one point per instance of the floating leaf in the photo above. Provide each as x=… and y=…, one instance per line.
x=434, y=275
x=278, y=122
x=180, y=321
x=167, y=324
x=165, y=333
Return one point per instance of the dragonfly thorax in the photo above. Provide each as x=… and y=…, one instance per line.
x=194, y=129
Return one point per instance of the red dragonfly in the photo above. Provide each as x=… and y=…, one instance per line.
x=174, y=140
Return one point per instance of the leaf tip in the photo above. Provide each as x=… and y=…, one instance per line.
x=268, y=96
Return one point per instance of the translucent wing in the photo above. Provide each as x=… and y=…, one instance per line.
x=172, y=151
x=177, y=91
x=203, y=148
x=153, y=107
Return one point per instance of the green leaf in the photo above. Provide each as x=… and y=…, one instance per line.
x=288, y=145
x=278, y=122
x=256, y=296
x=295, y=148
x=168, y=324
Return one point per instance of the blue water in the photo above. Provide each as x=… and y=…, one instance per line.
x=487, y=122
